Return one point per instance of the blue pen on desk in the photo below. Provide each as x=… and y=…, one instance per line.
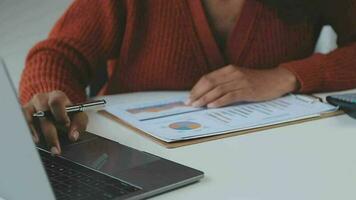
x=74, y=108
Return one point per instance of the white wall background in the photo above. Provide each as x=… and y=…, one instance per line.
x=22, y=24
x=25, y=22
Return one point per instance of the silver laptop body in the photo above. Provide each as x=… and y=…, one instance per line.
x=23, y=176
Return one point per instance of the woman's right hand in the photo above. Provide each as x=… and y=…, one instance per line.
x=55, y=102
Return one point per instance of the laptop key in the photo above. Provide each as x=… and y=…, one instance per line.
x=115, y=191
x=72, y=181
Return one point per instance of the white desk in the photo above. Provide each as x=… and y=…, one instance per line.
x=309, y=161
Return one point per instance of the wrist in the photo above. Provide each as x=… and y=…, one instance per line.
x=289, y=80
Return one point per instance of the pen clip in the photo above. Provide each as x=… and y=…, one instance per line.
x=39, y=114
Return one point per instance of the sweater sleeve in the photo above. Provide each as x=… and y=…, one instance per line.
x=85, y=37
x=336, y=70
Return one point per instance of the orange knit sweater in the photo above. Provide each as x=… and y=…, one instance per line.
x=136, y=45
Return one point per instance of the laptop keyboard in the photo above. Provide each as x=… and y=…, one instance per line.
x=75, y=182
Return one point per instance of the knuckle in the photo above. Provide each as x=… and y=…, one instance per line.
x=37, y=96
x=40, y=99
x=207, y=80
x=57, y=93
x=204, y=78
x=54, y=102
x=231, y=68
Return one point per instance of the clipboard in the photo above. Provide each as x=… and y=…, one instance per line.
x=182, y=143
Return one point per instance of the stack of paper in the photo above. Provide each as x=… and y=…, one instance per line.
x=170, y=120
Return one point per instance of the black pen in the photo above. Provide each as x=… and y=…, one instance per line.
x=73, y=108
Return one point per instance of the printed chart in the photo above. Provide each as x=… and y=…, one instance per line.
x=171, y=120
x=157, y=110
x=184, y=126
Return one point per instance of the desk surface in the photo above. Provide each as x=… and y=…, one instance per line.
x=313, y=160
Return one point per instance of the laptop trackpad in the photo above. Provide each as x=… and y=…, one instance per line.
x=105, y=155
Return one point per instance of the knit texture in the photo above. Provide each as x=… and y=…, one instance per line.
x=168, y=45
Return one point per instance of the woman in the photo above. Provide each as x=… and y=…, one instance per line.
x=224, y=51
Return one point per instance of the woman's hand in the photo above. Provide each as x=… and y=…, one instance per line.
x=55, y=102
x=233, y=84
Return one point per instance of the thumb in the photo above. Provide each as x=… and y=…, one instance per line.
x=78, y=125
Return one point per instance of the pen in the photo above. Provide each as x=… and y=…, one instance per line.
x=73, y=108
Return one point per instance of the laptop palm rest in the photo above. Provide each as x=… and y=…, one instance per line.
x=136, y=167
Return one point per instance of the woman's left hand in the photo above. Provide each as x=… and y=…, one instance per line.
x=233, y=84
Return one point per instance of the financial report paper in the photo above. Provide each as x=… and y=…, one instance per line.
x=171, y=120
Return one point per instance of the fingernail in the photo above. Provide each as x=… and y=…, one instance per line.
x=188, y=102
x=211, y=105
x=35, y=138
x=54, y=151
x=197, y=104
x=75, y=135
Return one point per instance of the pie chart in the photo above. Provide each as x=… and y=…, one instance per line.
x=184, y=126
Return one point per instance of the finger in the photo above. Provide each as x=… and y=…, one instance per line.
x=209, y=81
x=224, y=71
x=50, y=134
x=230, y=98
x=48, y=129
x=204, y=85
x=78, y=125
x=216, y=93
x=57, y=102
x=29, y=109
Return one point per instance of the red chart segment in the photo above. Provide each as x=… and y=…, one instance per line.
x=185, y=126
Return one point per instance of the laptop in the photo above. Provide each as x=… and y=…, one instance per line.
x=92, y=168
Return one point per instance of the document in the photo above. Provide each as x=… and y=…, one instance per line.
x=171, y=120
